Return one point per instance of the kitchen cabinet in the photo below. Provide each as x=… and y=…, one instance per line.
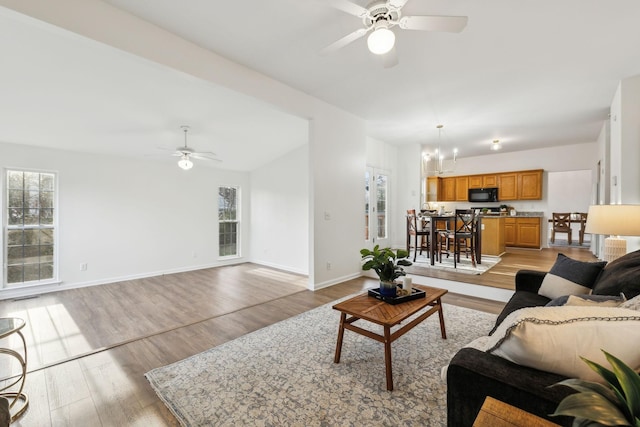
x=448, y=189
x=528, y=232
x=519, y=185
x=523, y=185
x=493, y=235
x=508, y=186
x=522, y=232
x=530, y=185
x=433, y=188
x=462, y=188
x=483, y=181
x=510, y=232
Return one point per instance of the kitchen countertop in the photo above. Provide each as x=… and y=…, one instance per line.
x=523, y=214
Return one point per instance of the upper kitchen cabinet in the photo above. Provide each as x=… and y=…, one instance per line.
x=508, y=186
x=448, y=189
x=433, y=188
x=462, y=188
x=524, y=185
x=483, y=181
x=530, y=185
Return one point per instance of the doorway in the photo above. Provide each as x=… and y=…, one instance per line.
x=376, y=207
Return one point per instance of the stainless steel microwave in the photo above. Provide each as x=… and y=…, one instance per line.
x=483, y=195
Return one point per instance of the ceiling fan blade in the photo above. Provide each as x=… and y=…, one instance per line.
x=449, y=24
x=200, y=156
x=349, y=38
x=397, y=4
x=348, y=7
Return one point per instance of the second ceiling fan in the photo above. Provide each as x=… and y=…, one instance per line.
x=382, y=15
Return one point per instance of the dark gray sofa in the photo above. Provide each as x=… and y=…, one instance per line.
x=473, y=375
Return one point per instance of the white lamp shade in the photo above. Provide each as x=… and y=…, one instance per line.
x=381, y=40
x=617, y=220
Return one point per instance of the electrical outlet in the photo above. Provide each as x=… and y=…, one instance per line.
x=328, y=265
x=83, y=266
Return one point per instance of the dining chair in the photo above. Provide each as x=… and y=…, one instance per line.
x=420, y=236
x=561, y=224
x=583, y=223
x=462, y=236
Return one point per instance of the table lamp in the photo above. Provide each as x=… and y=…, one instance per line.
x=615, y=221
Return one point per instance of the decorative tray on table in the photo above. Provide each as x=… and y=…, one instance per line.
x=415, y=294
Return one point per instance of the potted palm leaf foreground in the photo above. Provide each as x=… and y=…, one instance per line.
x=595, y=404
x=388, y=264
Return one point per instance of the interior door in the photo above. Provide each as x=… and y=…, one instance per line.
x=376, y=208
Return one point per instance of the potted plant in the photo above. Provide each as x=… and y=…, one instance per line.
x=598, y=405
x=387, y=263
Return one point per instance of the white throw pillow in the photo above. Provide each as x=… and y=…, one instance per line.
x=553, y=338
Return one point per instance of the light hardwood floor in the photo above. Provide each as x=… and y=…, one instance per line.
x=89, y=348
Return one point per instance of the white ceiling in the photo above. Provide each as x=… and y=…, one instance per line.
x=529, y=73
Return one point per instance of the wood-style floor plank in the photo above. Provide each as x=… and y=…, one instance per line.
x=89, y=348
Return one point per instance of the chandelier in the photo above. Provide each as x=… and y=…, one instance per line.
x=438, y=158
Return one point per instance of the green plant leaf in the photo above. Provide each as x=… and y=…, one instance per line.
x=591, y=406
x=605, y=373
x=629, y=382
x=588, y=386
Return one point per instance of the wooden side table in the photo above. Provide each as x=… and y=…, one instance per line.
x=495, y=413
x=10, y=326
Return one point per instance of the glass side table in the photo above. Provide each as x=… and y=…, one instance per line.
x=10, y=326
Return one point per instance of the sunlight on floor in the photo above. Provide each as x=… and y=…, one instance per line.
x=290, y=278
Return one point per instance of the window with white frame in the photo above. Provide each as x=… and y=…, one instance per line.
x=228, y=221
x=29, y=223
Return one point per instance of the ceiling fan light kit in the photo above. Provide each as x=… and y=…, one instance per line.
x=382, y=39
x=185, y=163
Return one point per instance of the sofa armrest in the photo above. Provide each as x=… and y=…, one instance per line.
x=529, y=280
x=473, y=375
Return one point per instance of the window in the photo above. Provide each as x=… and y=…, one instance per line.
x=228, y=224
x=30, y=218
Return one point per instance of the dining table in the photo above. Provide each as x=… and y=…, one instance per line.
x=447, y=221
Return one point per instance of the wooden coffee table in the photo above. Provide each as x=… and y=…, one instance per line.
x=388, y=315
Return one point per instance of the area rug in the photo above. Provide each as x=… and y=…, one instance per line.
x=284, y=375
x=422, y=265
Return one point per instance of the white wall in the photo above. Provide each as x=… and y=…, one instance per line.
x=625, y=148
x=338, y=161
x=280, y=213
x=128, y=218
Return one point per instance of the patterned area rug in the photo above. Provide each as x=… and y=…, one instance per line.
x=284, y=375
x=464, y=266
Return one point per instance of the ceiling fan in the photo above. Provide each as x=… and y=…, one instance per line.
x=186, y=154
x=382, y=15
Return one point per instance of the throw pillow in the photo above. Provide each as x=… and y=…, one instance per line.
x=621, y=275
x=592, y=300
x=570, y=277
x=632, y=304
x=552, y=339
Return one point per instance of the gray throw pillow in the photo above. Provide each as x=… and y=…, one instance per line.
x=570, y=277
